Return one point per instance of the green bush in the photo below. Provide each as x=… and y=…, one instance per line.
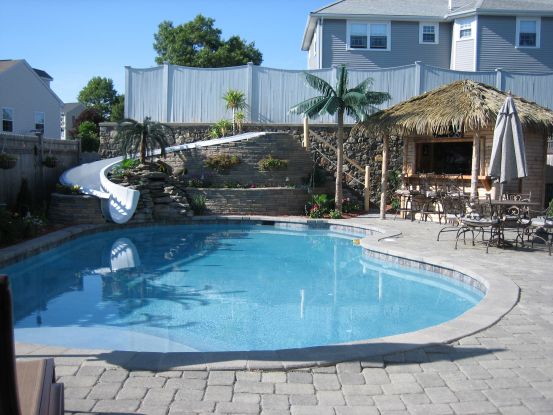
x=197, y=204
x=123, y=169
x=221, y=162
x=88, y=133
x=220, y=128
x=319, y=205
x=271, y=163
x=550, y=209
x=68, y=190
x=349, y=206
x=15, y=228
x=334, y=214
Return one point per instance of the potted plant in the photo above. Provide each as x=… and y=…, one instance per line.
x=7, y=161
x=50, y=161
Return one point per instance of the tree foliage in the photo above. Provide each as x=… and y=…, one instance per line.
x=236, y=101
x=199, y=44
x=118, y=109
x=100, y=94
x=142, y=138
x=89, y=114
x=356, y=102
x=88, y=133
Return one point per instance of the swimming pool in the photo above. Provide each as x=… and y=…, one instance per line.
x=222, y=288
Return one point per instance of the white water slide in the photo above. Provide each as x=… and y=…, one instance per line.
x=119, y=202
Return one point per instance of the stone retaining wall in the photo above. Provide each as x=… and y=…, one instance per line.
x=265, y=201
x=364, y=150
x=74, y=209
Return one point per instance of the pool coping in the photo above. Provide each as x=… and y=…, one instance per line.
x=501, y=296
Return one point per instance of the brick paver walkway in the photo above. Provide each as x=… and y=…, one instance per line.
x=507, y=368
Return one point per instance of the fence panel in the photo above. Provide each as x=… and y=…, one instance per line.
x=275, y=91
x=433, y=77
x=196, y=95
x=146, y=94
x=533, y=87
x=40, y=179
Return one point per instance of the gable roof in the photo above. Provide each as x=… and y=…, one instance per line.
x=475, y=107
x=8, y=64
x=70, y=106
x=436, y=10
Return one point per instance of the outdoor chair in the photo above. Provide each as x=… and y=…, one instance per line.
x=454, y=208
x=26, y=387
x=540, y=230
x=480, y=222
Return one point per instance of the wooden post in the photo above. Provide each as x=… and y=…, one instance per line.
x=475, y=166
x=384, y=179
x=367, y=190
x=306, y=142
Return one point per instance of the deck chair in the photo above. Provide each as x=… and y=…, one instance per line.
x=26, y=387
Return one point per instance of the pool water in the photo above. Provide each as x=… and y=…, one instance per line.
x=222, y=288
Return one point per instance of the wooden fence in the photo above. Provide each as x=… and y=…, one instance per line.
x=40, y=178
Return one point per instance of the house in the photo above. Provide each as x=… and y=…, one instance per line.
x=463, y=35
x=69, y=114
x=27, y=103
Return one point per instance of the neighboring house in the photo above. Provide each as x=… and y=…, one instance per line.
x=464, y=35
x=27, y=103
x=69, y=114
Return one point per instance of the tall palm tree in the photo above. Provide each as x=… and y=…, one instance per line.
x=142, y=138
x=236, y=101
x=356, y=102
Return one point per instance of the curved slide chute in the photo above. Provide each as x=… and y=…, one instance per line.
x=119, y=202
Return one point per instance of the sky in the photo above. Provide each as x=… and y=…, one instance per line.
x=75, y=40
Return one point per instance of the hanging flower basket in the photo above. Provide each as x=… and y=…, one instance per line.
x=50, y=162
x=7, y=161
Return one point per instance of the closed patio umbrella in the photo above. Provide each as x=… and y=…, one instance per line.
x=508, y=159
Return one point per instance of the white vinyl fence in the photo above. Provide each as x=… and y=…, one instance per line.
x=177, y=94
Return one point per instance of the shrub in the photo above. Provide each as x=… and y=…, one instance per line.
x=319, y=205
x=221, y=162
x=349, y=205
x=7, y=161
x=50, y=161
x=88, y=133
x=334, y=214
x=220, y=128
x=197, y=204
x=14, y=227
x=271, y=163
x=68, y=190
x=124, y=168
x=550, y=209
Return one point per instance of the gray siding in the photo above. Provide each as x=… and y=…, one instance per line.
x=464, y=55
x=405, y=48
x=312, y=57
x=496, y=47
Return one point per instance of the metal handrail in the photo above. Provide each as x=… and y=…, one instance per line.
x=327, y=144
x=334, y=164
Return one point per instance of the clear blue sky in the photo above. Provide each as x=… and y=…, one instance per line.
x=74, y=40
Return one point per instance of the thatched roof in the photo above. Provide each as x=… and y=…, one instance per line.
x=462, y=105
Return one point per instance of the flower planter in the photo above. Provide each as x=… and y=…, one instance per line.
x=7, y=162
x=50, y=162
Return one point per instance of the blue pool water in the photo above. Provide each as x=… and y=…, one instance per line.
x=222, y=287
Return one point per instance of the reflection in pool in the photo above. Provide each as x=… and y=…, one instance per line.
x=222, y=287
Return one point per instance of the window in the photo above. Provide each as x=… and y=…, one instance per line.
x=428, y=33
x=7, y=120
x=465, y=30
x=369, y=36
x=39, y=121
x=528, y=33
x=453, y=157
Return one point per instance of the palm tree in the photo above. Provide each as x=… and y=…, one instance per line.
x=142, y=138
x=236, y=101
x=356, y=102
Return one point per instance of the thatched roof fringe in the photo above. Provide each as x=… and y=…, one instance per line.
x=462, y=105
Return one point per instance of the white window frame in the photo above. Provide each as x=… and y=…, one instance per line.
x=43, y=119
x=12, y=120
x=538, y=32
x=436, y=33
x=368, y=23
x=461, y=24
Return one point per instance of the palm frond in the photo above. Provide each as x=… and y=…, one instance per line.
x=364, y=86
x=332, y=105
x=310, y=107
x=319, y=84
x=342, y=81
x=355, y=98
x=377, y=98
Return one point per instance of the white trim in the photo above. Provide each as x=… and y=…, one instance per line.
x=320, y=28
x=436, y=26
x=368, y=24
x=459, y=23
x=538, y=32
x=475, y=57
x=13, y=119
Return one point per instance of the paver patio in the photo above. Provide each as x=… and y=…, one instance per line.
x=507, y=368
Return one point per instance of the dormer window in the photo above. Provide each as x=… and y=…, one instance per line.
x=528, y=32
x=428, y=33
x=368, y=36
x=465, y=30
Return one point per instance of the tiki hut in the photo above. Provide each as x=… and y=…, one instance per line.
x=448, y=133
